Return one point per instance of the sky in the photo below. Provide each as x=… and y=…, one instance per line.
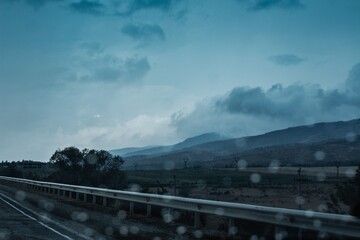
x=109, y=74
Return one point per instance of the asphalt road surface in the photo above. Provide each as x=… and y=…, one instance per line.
x=18, y=222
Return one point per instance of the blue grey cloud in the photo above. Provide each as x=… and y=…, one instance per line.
x=144, y=33
x=138, y=5
x=259, y=5
x=286, y=59
x=122, y=71
x=36, y=3
x=279, y=106
x=93, y=7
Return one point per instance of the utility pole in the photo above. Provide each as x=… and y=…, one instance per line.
x=174, y=185
x=337, y=170
x=299, y=187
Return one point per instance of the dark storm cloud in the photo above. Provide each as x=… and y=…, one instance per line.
x=286, y=59
x=93, y=7
x=138, y=5
x=259, y=5
x=277, y=106
x=144, y=33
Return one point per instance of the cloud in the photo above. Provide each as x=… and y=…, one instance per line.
x=112, y=69
x=286, y=59
x=144, y=33
x=139, y=5
x=93, y=7
x=246, y=110
x=36, y=3
x=259, y=5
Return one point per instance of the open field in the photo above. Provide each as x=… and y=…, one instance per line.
x=252, y=185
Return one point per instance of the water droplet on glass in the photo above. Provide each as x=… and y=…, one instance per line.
x=274, y=166
x=350, y=137
x=319, y=155
x=134, y=230
x=321, y=176
x=181, y=230
x=20, y=195
x=299, y=200
x=219, y=211
x=242, y=164
x=350, y=172
x=227, y=181
x=124, y=230
x=198, y=234
x=109, y=231
x=255, y=178
x=169, y=165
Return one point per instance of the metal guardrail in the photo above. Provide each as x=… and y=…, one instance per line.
x=344, y=225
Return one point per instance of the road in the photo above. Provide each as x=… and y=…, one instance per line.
x=18, y=222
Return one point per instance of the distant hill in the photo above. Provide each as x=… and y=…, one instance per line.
x=207, y=152
x=158, y=150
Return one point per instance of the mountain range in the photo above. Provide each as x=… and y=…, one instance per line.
x=213, y=149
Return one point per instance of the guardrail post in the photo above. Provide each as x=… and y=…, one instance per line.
x=231, y=227
x=104, y=202
x=117, y=204
x=77, y=196
x=94, y=199
x=85, y=197
x=197, y=223
x=148, y=210
x=131, y=208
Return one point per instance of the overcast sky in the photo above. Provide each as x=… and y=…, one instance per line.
x=108, y=74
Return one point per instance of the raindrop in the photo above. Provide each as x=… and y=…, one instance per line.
x=299, y=200
x=321, y=176
x=350, y=137
x=88, y=232
x=281, y=235
x=4, y=233
x=274, y=166
x=219, y=211
x=240, y=142
x=279, y=217
x=121, y=214
x=227, y=181
x=169, y=165
x=198, y=234
x=20, y=195
x=109, y=231
x=322, y=208
x=134, y=187
x=201, y=184
x=255, y=178
x=91, y=159
x=82, y=217
x=350, y=172
x=319, y=155
x=124, y=230
x=317, y=223
x=233, y=230
x=181, y=230
x=309, y=213
x=254, y=237
x=242, y=164
x=134, y=230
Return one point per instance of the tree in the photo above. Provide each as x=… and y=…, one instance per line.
x=348, y=193
x=87, y=167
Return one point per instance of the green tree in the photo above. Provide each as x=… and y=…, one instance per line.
x=87, y=167
x=348, y=193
